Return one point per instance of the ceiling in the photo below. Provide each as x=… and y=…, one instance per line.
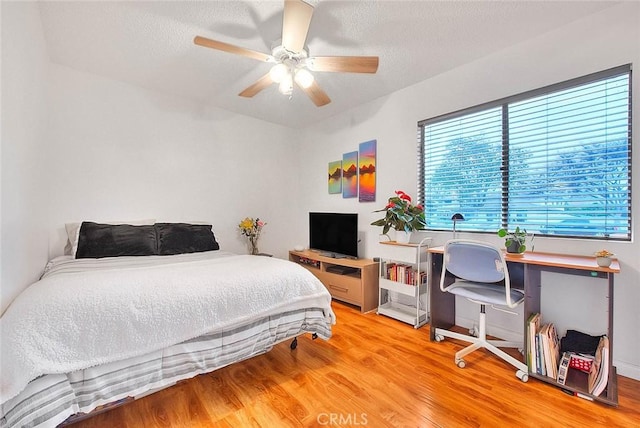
x=150, y=44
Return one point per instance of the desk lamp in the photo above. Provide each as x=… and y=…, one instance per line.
x=456, y=217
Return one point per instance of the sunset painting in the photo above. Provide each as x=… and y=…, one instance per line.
x=367, y=171
x=350, y=175
x=335, y=177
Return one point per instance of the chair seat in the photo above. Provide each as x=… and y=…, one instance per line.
x=484, y=293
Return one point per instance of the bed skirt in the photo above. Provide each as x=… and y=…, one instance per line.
x=56, y=398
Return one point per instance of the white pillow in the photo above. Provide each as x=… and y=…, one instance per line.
x=73, y=232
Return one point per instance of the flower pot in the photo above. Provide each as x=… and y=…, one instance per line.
x=513, y=248
x=403, y=237
x=603, y=261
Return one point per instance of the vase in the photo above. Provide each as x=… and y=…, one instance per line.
x=253, y=245
x=403, y=237
x=513, y=248
x=603, y=261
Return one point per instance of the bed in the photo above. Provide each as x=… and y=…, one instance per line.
x=95, y=331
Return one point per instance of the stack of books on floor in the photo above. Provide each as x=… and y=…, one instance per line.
x=587, y=369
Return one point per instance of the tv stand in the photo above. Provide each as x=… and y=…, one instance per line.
x=353, y=281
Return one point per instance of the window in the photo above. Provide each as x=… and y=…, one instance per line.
x=555, y=161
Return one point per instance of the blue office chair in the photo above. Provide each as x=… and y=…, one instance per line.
x=481, y=276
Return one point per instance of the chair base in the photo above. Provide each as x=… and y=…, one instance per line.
x=490, y=345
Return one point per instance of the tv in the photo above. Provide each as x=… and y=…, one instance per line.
x=334, y=234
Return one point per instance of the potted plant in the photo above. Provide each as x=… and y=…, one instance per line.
x=402, y=216
x=514, y=242
x=603, y=258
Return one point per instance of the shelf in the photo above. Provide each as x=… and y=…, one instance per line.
x=403, y=313
x=398, y=287
x=400, y=299
x=577, y=383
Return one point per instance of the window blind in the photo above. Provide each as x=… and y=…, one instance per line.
x=555, y=161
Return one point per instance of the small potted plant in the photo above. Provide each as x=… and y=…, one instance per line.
x=603, y=258
x=514, y=242
x=402, y=216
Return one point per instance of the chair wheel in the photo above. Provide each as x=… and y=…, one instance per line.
x=439, y=338
x=461, y=364
x=524, y=377
x=294, y=344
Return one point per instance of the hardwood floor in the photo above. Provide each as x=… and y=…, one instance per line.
x=374, y=371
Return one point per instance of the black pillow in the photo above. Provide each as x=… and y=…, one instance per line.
x=179, y=238
x=112, y=240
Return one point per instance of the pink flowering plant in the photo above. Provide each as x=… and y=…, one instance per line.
x=251, y=228
x=401, y=214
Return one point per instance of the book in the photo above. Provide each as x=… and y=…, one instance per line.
x=533, y=325
x=545, y=350
x=599, y=372
x=540, y=366
x=554, y=349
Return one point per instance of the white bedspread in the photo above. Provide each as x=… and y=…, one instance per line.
x=88, y=312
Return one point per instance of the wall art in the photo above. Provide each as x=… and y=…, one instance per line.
x=367, y=172
x=350, y=175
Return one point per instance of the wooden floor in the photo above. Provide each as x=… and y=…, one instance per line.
x=374, y=371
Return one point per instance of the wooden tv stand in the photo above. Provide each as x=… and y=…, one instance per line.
x=348, y=280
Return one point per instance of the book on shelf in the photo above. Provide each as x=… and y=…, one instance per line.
x=403, y=273
x=533, y=325
x=540, y=365
x=599, y=372
x=550, y=349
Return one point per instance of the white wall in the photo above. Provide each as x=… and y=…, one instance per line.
x=598, y=42
x=24, y=75
x=116, y=151
x=76, y=146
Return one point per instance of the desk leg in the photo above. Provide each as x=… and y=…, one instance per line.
x=442, y=305
x=532, y=291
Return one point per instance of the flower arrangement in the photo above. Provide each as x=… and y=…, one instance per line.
x=251, y=228
x=401, y=215
x=603, y=253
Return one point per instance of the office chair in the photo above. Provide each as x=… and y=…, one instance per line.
x=481, y=276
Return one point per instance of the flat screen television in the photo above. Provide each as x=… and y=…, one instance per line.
x=334, y=234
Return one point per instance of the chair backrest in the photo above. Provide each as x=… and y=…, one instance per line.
x=475, y=261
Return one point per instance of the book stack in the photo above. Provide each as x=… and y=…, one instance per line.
x=543, y=347
x=403, y=273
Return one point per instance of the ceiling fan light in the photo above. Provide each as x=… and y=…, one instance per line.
x=286, y=85
x=278, y=72
x=304, y=78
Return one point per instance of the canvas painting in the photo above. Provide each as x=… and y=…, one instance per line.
x=350, y=175
x=335, y=177
x=367, y=171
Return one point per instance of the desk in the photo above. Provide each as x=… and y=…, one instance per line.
x=525, y=273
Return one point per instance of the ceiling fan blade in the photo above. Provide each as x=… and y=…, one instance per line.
x=317, y=95
x=260, y=84
x=345, y=64
x=226, y=47
x=295, y=24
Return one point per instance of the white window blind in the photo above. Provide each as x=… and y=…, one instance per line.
x=555, y=161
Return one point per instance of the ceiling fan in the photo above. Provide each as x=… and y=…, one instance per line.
x=292, y=63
